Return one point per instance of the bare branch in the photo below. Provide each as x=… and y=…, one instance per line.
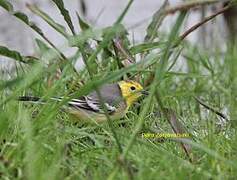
x=194, y=27
x=175, y=125
x=119, y=45
x=189, y=5
x=211, y=109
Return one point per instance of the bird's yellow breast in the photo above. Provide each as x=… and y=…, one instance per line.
x=90, y=117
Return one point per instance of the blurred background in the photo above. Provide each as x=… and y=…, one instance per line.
x=102, y=13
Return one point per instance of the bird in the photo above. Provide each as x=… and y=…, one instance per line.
x=117, y=98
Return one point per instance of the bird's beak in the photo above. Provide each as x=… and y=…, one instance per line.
x=144, y=92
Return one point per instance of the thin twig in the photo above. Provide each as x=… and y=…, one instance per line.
x=189, y=5
x=118, y=60
x=211, y=109
x=175, y=125
x=118, y=44
x=194, y=27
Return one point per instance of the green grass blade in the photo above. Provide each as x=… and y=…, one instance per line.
x=4, y=51
x=158, y=17
x=83, y=25
x=6, y=5
x=120, y=18
x=59, y=28
x=65, y=14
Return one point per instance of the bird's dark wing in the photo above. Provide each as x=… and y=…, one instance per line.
x=110, y=94
x=91, y=105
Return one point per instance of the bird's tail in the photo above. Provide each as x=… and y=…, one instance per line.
x=38, y=100
x=29, y=98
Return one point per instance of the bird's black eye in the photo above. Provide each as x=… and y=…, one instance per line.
x=132, y=88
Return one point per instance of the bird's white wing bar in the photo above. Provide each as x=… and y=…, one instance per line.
x=88, y=103
x=110, y=108
x=96, y=105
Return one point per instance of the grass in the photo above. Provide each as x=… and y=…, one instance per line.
x=43, y=142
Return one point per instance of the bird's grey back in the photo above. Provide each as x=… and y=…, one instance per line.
x=110, y=93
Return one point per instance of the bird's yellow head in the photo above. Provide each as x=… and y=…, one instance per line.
x=131, y=91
